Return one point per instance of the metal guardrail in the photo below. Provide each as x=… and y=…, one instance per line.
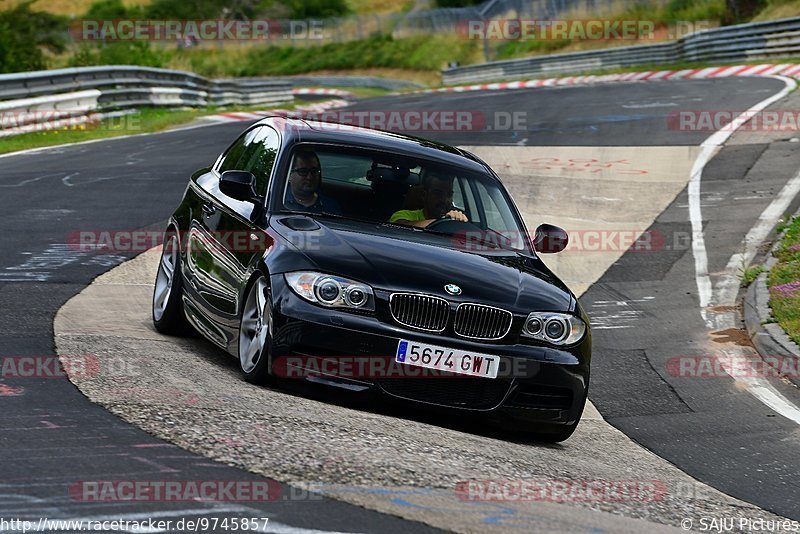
x=41, y=97
x=349, y=81
x=50, y=82
x=758, y=40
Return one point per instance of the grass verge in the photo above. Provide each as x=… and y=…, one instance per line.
x=145, y=120
x=418, y=53
x=142, y=121
x=783, y=281
x=750, y=274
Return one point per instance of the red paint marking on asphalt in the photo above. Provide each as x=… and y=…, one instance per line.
x=151, y=463
x=11, y=391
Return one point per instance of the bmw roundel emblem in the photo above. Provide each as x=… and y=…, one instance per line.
x=452, y=289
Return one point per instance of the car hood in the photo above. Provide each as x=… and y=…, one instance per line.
x=503, y=279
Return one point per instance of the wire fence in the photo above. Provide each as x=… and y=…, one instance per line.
x=742, y=42
x=444, y=20
x=313, y=32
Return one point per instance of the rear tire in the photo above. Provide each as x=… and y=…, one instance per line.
x=255, y=333
x=168, y=315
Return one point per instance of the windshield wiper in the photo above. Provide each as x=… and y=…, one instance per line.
x=502, y=239
x=498, y=243
x=402, y=226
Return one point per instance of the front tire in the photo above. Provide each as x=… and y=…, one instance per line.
x=168, y=314
x=255, y=333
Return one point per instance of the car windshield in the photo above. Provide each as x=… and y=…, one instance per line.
x=398, y=193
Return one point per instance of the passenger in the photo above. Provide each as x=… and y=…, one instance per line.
x=437, y=198
x=305, y=181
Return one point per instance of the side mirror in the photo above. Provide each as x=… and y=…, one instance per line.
x=240, y=185
x=550, y=239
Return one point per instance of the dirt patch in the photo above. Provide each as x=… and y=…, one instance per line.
x=725, y=309
x=732, y=335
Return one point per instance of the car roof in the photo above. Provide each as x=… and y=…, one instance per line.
x=295, y=130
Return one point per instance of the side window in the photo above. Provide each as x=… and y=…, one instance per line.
x=259, y=157
x=231, y=159
x=345, y=168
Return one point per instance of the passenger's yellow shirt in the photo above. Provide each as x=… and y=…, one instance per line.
x=408, y=215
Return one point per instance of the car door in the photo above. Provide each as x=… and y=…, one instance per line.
x=225, y=237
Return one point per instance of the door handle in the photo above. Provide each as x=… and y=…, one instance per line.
x=209, y=209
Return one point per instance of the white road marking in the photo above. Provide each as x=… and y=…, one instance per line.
x=727, y=288
x=31, y=180
x=728, y=285
x=24, y=277
x=650, y=105
x=40, y=266
x=698, y=238
x=744, y=374
x=66, y=179
x=605, y=319
x=709, y=147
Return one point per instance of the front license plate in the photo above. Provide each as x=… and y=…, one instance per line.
x=446, y=359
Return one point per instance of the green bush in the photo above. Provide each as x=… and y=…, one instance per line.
x=693, y=10
x=120, y=53
x=510, y=49
x=737, y=11
x=418, y=53
x=23, y=34
x=186, y=9
x=109, y=10
x=317, y=9
x=456, y=3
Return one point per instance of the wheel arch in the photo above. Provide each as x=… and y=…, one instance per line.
x=258, y=272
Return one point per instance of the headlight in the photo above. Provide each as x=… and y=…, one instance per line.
x=555, y=328
x=331, y=291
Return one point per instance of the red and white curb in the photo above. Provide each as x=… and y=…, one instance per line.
x=791, y=70
x=786, y=69
x=257, y=115
x=321, y=91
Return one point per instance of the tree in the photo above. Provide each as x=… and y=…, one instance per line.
x=23, y=33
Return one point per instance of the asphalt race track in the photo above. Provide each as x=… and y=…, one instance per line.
x=711, y=429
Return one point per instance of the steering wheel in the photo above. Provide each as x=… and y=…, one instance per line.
x=451, y=226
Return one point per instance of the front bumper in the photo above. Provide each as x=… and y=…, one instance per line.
x=535, y=384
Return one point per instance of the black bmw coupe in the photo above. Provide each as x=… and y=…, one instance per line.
x=373, y=261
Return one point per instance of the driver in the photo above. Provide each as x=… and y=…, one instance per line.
x=305, y=181
x=437, y=197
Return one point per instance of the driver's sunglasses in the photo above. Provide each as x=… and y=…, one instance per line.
x=305, y=171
